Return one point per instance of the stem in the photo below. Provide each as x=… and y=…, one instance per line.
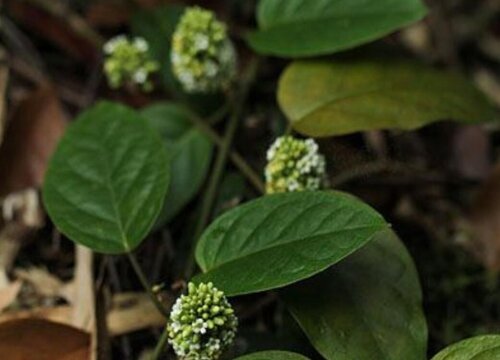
x=220, y=162
x=247, y=171
x=161, y=345
x=145, y=283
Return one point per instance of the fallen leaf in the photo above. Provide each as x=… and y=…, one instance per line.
x=98, y=14
x=131, y=312
x=42, y=340
x=485, y=222
x=44, y=282
x=30, y=138
x=9, y=294
x=11, y=239
x=4, y=75
x=471, y=149
x=61, y=314
x=57, y=23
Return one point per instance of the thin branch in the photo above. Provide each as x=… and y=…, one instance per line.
x=145, y=283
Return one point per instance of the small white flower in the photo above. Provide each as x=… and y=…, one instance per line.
x=202, y=49
x=202, y=323
x=294, y=165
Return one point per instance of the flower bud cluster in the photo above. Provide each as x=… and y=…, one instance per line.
x=203, y=57
x=294, y=165
x=202, y=323
x=129, y=62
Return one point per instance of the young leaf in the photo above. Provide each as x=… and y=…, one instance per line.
x=190, y=150
x=107, y=180
x=368, y=306
x=325, y=98
x=485, y=347
x=157, y=27
x=298, y=28
x=273, y=355
x=280, y=239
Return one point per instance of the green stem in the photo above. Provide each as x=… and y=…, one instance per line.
x=238, y=161
x=145, y=283
x=220, y=162
x=161, y=346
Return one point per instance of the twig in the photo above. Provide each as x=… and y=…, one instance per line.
x=144, y=281
x=238, y=161
x=161, y=346
x=74, y=21
x=220, y=162
x=368, y=169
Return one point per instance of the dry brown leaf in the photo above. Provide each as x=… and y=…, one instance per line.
x=129, y=312
x=9, y=294
x=44, y=282
x=60, y=314
x=485, y=222
x=4, y=76
x=108, y=14
x=55, y=21
x=471, y=149
x=132, y=312
x=30, y=138
x=11, y=239
x=42, y=340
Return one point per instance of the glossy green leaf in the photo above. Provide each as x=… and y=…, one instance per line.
x=298, y=28
x=107, y=180
x=190, y=150
x=325, y=98
x=273, y=355
x=485, y=347
x=280, y=239
x=368, y=306
x=157, y=26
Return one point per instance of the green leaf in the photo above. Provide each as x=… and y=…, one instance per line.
x=157, y=27
x=325, y=98
x=280, y=239
x=107, y=180
x=273, y=355
x=299, y=28
x=485, y=347
x=368, y=306
x=190, y=150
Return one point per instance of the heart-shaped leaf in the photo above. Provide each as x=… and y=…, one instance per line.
x=280, y=239
x=298, y=28
x=368, y=306
x=325, y=98
x=485, y=347
x=107, y=180
x=273, y=355
x=190, y=150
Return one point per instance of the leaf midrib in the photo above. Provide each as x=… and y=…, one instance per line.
x=310, y=238
x=331, y=17
x=331, y=101
x=114, y=201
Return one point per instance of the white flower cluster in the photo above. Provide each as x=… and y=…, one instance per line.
x=202, y=323
x=203, y=57
x=128, y=61
x=294, y=165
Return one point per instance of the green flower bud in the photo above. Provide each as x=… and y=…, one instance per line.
x=203, y=57
x=294, y=165
x=129, y=62
x=205, y=334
